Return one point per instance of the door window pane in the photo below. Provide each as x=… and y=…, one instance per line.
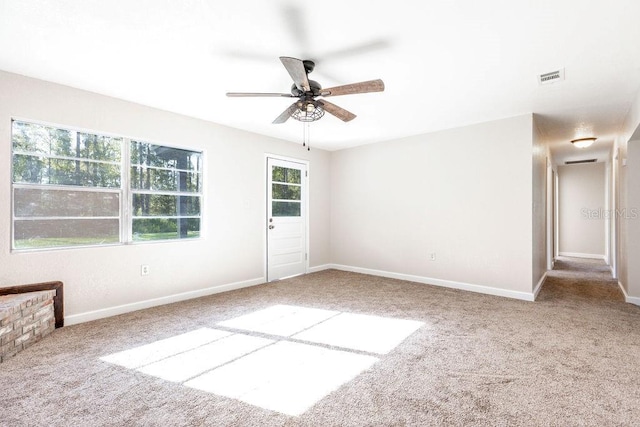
x=287, y=175
x=285, y=208
x=285, y=192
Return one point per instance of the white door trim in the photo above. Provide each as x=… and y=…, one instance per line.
x=265, y=241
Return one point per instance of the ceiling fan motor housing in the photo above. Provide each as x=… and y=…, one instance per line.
x=315, y=89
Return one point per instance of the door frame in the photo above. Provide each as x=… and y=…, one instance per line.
x=265, y=223
x=550, y=209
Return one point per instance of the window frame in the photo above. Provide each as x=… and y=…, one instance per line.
x=131, y=191
x=125, y=191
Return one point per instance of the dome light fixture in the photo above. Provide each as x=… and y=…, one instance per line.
x=310, y=111
x=583, y=142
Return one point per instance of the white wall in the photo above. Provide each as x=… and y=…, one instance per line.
x=582, y=210
x=626, y=185
x=631, y=217
x=621, y=231
x=233, y=248
x=464, y=194
x=539, y=205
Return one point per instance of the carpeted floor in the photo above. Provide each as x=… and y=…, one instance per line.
x=569, y=359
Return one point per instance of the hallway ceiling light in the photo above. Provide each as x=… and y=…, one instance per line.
x=583, y=142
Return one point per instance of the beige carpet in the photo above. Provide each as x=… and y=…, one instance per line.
x=569, y=359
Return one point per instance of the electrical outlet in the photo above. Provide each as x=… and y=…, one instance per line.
x=432, y=256
x=144, y=270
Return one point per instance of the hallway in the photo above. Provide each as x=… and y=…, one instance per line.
x=581, y=279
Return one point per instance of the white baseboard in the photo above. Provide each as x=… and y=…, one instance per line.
x=319, y=268
x=536, y=290
x=526, y=296
x=134, y=306
x=627, y=298
x=581, y=255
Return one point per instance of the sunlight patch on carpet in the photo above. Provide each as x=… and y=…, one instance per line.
x=189, y=364
x=286, y=377
x=281, y=320
x=158, y=350
x=287, y=369
x=372, y=334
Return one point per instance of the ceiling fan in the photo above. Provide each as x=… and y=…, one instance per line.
x=308, y=108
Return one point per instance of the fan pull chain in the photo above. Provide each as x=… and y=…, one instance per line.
x=305, y=135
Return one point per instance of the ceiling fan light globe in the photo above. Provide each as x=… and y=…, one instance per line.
x=308, y=113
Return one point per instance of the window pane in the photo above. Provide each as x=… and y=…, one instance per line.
x=50, y=141
x=97, y=147
x=285, y=208
x=41, y=139
x=44, y=170
x=282, y=174
x=161, y=229
x=285, y=192
x=65, y=232
x=164, y=180
x=143, y=153
x=165, y=205
x=48, y=203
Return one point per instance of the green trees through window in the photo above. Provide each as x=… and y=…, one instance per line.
x=165, y=186
x=69, y=186
x=286, y=191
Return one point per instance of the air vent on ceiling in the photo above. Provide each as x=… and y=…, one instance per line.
x=551, y=77
x=575, y=162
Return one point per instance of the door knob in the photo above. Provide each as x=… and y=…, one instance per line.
x=271, y=227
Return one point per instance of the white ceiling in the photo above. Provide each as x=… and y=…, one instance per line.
x=445, y=63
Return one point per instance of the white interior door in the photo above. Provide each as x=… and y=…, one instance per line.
x=286, y=218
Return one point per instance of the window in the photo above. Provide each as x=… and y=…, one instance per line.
x=286, y=190
x=69, y=188
x=165, y=192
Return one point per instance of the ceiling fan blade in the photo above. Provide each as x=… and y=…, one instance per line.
x=286, y=114
x=296, y=70
x=254, y=94
x=298, y=30
x=339, y=112
x=246, y=55
x=353, y=88
x=358, y=49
